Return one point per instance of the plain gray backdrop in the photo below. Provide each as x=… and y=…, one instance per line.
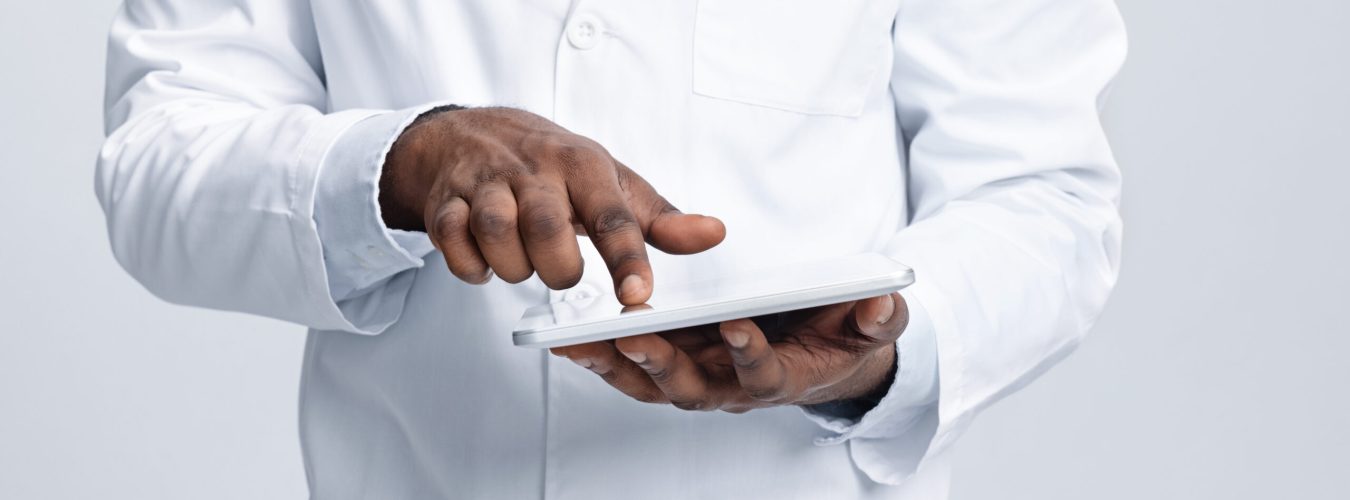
x=1217, y=371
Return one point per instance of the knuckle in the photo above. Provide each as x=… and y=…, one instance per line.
x=612, y=221
x=574, y=157
x=448, y=226
x=690, y=404
x=748, y=363
x=494, y=224
x=650, y=397
x=500, y=171
x=658, y=205
x=619, y=261
x=624, y=177
x=660, y=374
x=767, y=394
x=544, y=223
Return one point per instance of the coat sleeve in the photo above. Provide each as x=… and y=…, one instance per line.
x=1015, y=231
x=218, y=137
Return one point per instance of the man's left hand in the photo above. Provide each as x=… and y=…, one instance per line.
x=820, y=355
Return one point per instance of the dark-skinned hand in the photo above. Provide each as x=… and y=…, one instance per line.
x=505, y=191
x=825, y=354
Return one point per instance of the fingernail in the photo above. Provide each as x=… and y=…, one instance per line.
x=637, y=357
x=583, y=362
x=887, y=309
x=736, y=338
x=632, y=286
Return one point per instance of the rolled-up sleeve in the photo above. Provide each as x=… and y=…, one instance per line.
x=1014, y=227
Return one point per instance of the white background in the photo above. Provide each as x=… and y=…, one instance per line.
x=1217, y=372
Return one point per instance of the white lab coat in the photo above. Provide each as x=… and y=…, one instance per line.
x=960, y=136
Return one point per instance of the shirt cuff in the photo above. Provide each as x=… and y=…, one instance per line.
x=913, y=393
x=359, y=251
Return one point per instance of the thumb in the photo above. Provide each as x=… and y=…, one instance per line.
x=664, y=226
x=880, y=320
x=678, y=233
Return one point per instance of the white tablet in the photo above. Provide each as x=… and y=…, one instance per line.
x=743, y=295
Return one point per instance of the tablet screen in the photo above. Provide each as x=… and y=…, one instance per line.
x=759, y=290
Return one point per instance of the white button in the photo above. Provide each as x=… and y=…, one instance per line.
x=584, y=33
x=582, y=291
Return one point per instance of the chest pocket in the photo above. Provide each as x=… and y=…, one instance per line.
x=807, y=56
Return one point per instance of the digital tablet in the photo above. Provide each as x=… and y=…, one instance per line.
x=755, y=292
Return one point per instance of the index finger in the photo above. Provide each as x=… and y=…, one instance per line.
x=615, y=232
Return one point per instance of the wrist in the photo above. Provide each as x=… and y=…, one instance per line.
x=868, y=392
x=877, y=381
x=403, y=180
x=882, y=385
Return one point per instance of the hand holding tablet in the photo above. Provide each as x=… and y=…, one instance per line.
x=822, y=344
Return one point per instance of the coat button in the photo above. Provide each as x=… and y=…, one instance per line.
x=584, y=32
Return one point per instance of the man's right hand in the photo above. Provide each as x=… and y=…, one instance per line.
x=507, y=191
